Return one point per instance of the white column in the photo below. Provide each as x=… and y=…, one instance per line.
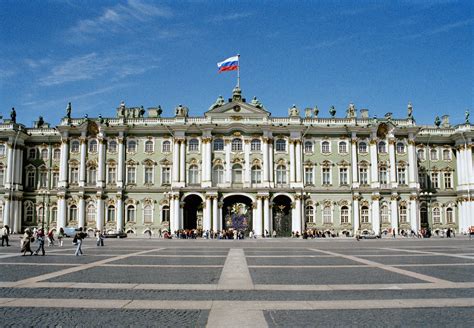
x=81, y=212
x=292, y=161
x=6, y=212
x=16, y=216
x=257, y=220
x=376, y=214
x=82, y=167
x=206, y=224
x=209, y=161
x=173, y=226
x=63, y=162
x=100, y=214
x=100, y=169
x=270, y=160
x=355, y=210
x=121, y=161
x=62, y=212
x=412, y=163
x=10, y=166
x=215, y=215
x=228, y=164
x=177, y=211
x=120, y=221
x=469, y=165
x=354, y=161
x=296, y=219
x=394, y=211
x=266, y=166
x=181, y=215
x=182, y=161
x=391, y=154
x=18, y=168
x=298, y=161
x=374, y=166
x=175, y=161
x=414, y=213
x=247, y=166
x=266, y=215
x=204, y=160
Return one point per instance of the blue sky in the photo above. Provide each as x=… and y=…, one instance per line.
x=377, y=54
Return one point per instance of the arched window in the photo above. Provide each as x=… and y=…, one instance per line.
x=280, y=145
x=255, y=145
x=449, y=215
x=343, y=147
x=433, y=154
x=147, y=214
x=309, y=213
x=236, y=144
x=446, y=155
x=29, y=211
x=281, y=174
x=327, y=213
x=165, y=213
x=148, y=146
x=436, y=215
x=362, y=147
x=44, y=154
x=73, y=213
x=112, y=146
x=90, y=214
x=364, y=214
x=344, y=214
x=237, y=173
x=57, y=154
x=256, y=174
x=132, y=146
x=403, y=214
x=421, y=154
x=193, y=145
x=218, y=144
x=111, y=213
x=2, y=150
x=193, y=174
x=400, y=147
x=131, y=213
x=384, y=214
x=93, y=146
x=166, y=146
x=325, y=147
x=218, y=175
x=308, y=147
x=75, y=146
x=382, y=147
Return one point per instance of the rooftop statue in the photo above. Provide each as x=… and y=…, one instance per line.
x=351, y=111
x=68, y=110
x=437, y=121
x=410, y=110
x=13, y=115
x=256, y=103
x=332, y=111
x=308, y=112
x=316, y=111
x=40, y=121
x=466, y=114
x=159, y=111
x=219, y=102
x=294, y=111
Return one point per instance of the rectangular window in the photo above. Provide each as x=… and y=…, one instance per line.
x=256, y=176
x=308, y=175
x=43, y=179
x=326, y=176
x=383, y=175
x=343, y=181
x=364, y=214
x=434, y=180
x=91, y=176
x=165, y=175
x=448, y=181
x=363, y=176
x=111, y=175
x=131, y=175
x=74, y=178
x=148, y=175
x=55, y=180
x=401, y=176
x=2, y=177
x=422, y=178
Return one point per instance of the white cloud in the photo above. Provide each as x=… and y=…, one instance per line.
x=328, y=43
x=229, y=17
x=441, y=29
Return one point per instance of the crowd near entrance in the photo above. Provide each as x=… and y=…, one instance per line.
x=237, y=214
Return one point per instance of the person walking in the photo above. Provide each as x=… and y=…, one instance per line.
x=78, y=241
x=60, y=237
x=26, y=242
x=5, y=234
x=40, y=239
x=51, y=238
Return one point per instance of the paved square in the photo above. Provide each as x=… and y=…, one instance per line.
x=263, y=283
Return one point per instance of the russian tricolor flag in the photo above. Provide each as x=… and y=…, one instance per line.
x=230, y=64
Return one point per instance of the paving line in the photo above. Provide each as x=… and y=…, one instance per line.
x=235, y=274
x=461, y=256
x=79, y=268
x=310, y=266
x=387, y=267
x=237, y=305
x=162, y=265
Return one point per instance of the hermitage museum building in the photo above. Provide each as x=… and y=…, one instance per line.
x=238, y=167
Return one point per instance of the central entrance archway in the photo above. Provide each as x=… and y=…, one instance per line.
x=192, y=212
x=282, y=215
x=237, y=213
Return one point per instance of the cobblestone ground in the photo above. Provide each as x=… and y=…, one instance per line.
x=249, y=283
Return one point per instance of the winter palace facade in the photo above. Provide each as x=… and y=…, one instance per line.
x=237, y=168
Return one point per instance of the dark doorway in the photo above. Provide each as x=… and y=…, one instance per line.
x=237, y=213
x=192, y=212
x=424, y=218
x=282, y=216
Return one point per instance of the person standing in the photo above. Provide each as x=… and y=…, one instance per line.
x=40, y=238
x=26, y=242
x=78, y=241
x=60, y=237
x=5, y=234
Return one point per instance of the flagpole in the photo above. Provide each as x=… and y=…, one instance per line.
x=238, y=72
